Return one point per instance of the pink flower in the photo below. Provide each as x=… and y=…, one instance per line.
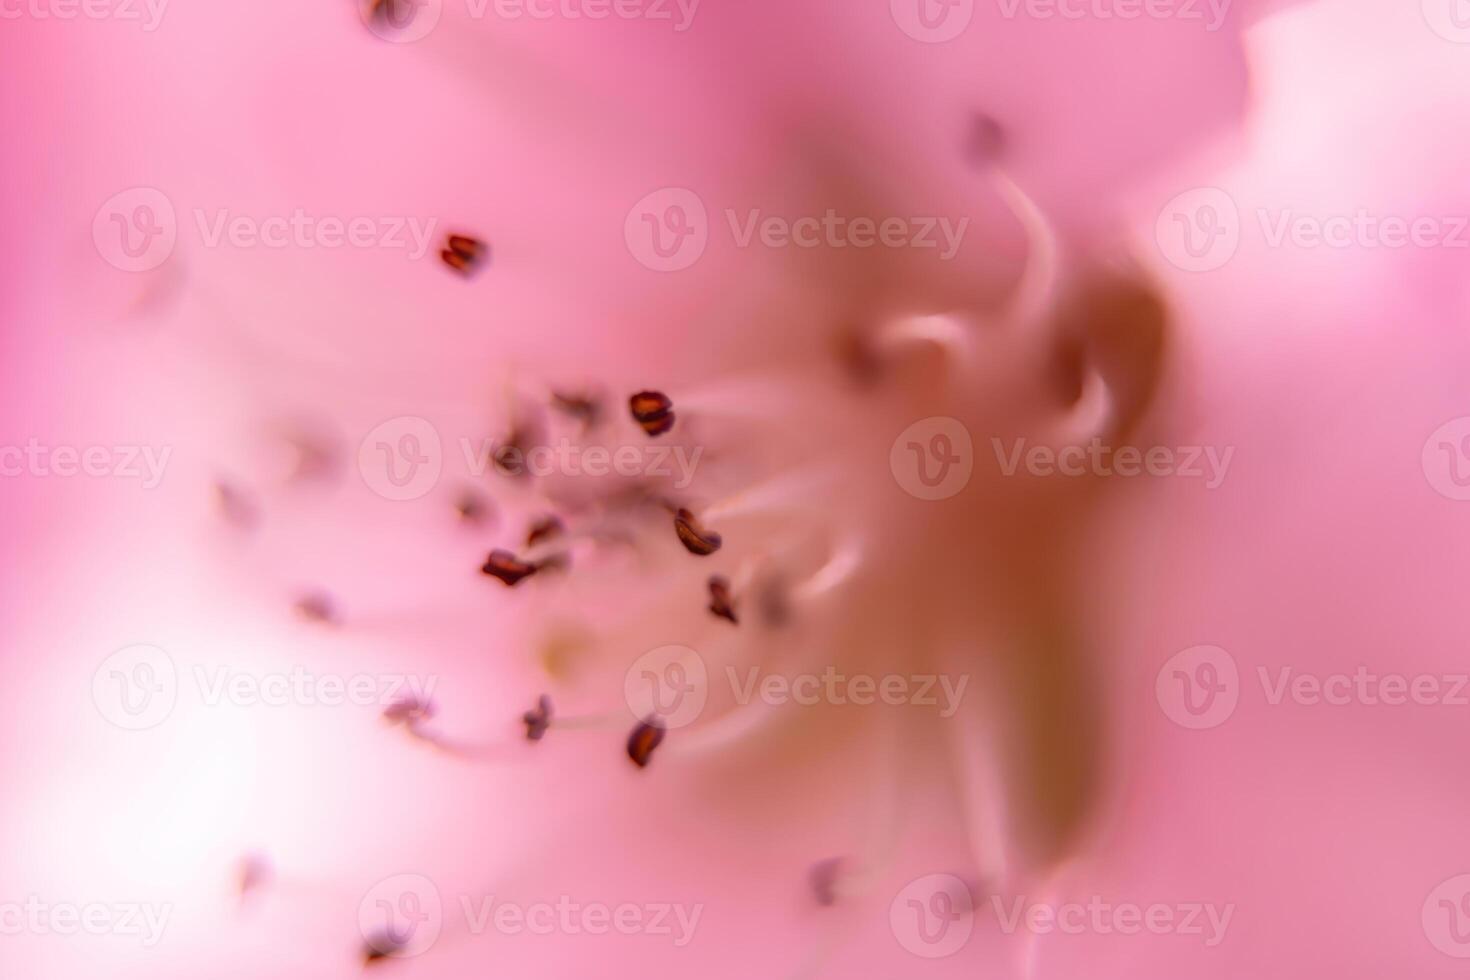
x=595, y=493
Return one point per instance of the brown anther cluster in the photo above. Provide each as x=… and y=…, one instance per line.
x=692, y=535
x=721, y=603
x=538, y=719
x=463, y=254
x=645, y=737
x=508, y=568
x=653, y=411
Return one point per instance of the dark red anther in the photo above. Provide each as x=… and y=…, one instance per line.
x=721, y=603
x=645, y=737
x=507, y=567
x=653, y=411
x=464, y=254
x=546, y=529
x=538, y=720
x=694, y=536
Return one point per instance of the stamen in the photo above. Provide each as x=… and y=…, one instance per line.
x=380, y=946
x=587, y=409
x=720, y=601
x=546, y=529
x=471, y=507
x=236, y=505
x=509, y=458
x=789, y=491
x=645, y=737
x=255, y=872
x=774, y=600
x=318, y=608
x=943, y=331
x=838, y=568
x=823, y=878
x=464, y=253
x=538, y=719
x=1035, y=289
x=984, y=140
x=411, y=710
x=699, y=540
x=507, y=567
x=653, y=411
